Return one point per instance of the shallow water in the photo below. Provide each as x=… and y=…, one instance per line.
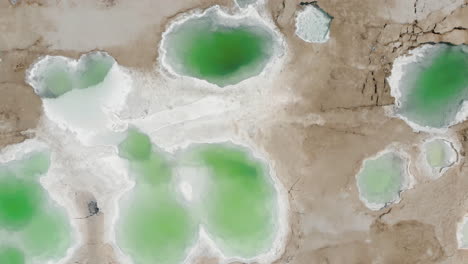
x=381, y=179
x=221, y=50
x=434, y=88
x=236, y=201
x=313, y=24
x=439, y=153
x=54, y=76
x=238, y=204
x=27, y=215
x=154, y=226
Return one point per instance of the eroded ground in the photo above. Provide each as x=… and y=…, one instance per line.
x=316, y=158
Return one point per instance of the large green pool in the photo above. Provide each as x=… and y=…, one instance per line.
x=155, y=227
x=237, y=203
x=221, y=50
x=33, y=225
x=434, y=87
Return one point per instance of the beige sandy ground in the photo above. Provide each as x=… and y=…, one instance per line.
x=342, y=80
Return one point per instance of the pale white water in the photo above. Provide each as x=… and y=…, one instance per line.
x=88, y=113
x=313, y=25
x=438, y=154
x=393, y=165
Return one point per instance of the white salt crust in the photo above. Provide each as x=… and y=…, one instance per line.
x=313, y=25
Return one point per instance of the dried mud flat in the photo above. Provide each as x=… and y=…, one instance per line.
x=317, y=142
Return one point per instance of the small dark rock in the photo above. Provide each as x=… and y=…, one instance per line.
x=93, y=208
x=308, y=3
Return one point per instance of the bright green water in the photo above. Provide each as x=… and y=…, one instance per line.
x=10, y=255
x=239, y=202
x=27, y=215
x=19, y=201
x=58, y=76
x=381, y=179
x=223, y=55
x=439, y=87
x=155, y=227
x=238, y=205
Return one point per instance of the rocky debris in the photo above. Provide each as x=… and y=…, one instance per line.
x=93, y=208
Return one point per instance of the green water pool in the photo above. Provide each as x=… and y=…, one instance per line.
x=28, y=216
x=223, y=54
x=237, y=205
x=381, y=180
x=434, y=88
x=56, y=75
x=154, y=227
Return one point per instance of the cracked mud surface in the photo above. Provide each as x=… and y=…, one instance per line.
x=343, y=81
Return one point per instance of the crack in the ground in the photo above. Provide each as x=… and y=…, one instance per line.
x=410, y=36
x=278, y=13
x=415, y=8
